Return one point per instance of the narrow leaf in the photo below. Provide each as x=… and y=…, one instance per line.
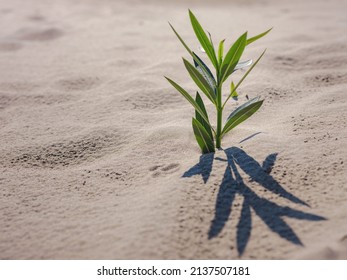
x=243, y=64
x=200, y=81
x=203, y=39
x=205, y=71
x=233, y=56
x=251, y=40
x=244, y=76
x=199, y=118
x=209, y=35
x=214, y=52
x=195, y=57
x=238, y=109
x=240, y=115
x=181, y=40
x=202, y=137
x=221, y=52
x=234, y=93
x=189, y=98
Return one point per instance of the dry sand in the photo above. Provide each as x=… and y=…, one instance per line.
x=97, y=155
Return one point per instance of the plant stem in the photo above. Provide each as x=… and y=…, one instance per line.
x=219, y=116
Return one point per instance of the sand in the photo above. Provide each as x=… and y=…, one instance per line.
x=97, y=155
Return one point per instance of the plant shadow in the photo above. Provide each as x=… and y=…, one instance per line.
x=233, y=184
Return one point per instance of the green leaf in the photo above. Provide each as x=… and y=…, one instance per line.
x=189, y=98
x=199, y=118
x=243, y=64
x=233, y=92
x=181, y=40
x=233, y=56
x=253, y=100
x=200, y=81
x=210, y=36
x=221, y=52
x=195, y=57
x=255, y=38
x=205, y=71
x=203, y=39
x=241, y=114
x=205, y=142
x=244, y=77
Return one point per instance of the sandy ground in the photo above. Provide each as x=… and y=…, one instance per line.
x=97, y=155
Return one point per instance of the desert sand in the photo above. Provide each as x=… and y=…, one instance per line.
x=97, y=156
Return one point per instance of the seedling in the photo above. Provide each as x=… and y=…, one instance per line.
x=206, y=135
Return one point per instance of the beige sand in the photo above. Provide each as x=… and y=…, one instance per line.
x=94, y=142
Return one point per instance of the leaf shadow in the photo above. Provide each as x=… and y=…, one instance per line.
x=233, y=184
x=249, y=137
x=203, y=167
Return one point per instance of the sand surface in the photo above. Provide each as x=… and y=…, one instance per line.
x=97, y=155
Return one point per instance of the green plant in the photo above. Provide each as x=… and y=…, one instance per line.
x=206, y=135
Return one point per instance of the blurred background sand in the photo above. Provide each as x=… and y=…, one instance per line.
x=94, y=142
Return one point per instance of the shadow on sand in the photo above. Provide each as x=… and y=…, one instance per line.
x=232, y=184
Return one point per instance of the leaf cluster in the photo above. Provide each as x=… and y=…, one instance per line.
x=224, y=63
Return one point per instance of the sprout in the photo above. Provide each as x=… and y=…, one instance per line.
x=206, y=135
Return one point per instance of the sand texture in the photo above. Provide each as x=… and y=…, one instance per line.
x=97, y=156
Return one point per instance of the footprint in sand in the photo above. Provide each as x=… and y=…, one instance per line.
x=162, y=170
x=10, y=46
x=66, y=153
x=328, y=79
x=36, y=18
x=286, y=61
x=78, y=83
x=40, y=35
x=152, y=99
